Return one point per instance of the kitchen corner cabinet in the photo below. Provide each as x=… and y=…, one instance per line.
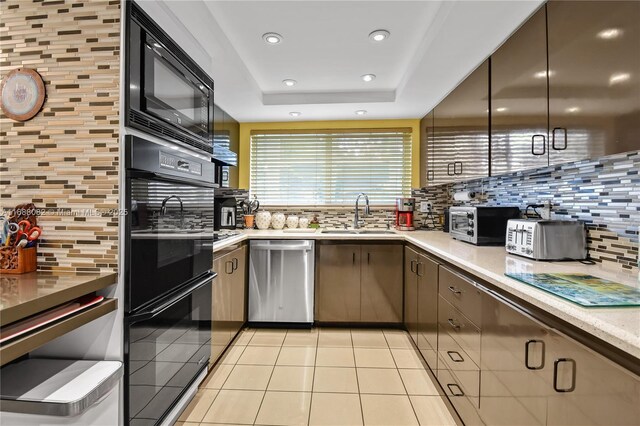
x=461, y=130
x=359, y=283
x=594, y=78
x=229, y=299
x=226, y=132
x=499, y=365
x=519, y=99
x=421, y=303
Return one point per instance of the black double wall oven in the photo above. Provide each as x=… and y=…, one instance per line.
x=168, y=278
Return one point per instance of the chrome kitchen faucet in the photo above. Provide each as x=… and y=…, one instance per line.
x=356, y=217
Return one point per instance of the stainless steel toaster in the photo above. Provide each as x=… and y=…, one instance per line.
x=547, y=239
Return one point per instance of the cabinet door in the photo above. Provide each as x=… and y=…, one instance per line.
x=594, y=86
x=515, y=366
x=587, y=389
x=221, y=300
x=238, y=289
x=427, y=271
x=381, y=283
x=234, y=145
x=433, y=161
x=411, y=293
x=519, y=99
x=338, y=283
x=461, y=128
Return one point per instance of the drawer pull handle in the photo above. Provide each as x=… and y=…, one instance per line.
x=418, y=265
x=235, y=263
x=453, y=324
x=413, y=265
x=556, y=364
x=228, y=267
x=459, y=391
x=457, y=358
x=454, y=290
x=527, y=348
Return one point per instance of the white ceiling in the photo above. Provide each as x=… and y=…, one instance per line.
x=433, y=46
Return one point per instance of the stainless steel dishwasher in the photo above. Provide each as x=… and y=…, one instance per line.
x=281, y=281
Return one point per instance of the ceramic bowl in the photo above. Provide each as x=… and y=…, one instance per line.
x=263, y=219
x=292, y=221
x=277, y=220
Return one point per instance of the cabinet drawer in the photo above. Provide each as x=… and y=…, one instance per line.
x=464, y=404
x=457, y=332
x=461, y=293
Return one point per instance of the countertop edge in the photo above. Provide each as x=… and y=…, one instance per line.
x=42, y=303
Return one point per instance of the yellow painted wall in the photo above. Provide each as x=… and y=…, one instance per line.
x=247, y=128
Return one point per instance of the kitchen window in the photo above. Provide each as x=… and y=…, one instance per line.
x=330, y=167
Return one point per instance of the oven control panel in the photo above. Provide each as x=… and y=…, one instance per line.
x=173, y=162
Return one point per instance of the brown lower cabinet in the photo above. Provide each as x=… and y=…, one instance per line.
x=229, y=298
x=499, y=365
x=421, y=303
x=359, y=283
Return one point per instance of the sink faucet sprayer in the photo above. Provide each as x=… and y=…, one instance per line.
x=356, y=218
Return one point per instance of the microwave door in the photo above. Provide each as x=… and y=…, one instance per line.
x=171, y=95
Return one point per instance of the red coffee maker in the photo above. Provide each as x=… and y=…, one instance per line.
x=404, y=214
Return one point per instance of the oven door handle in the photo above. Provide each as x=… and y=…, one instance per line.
x=147, y=315
x=145, y=174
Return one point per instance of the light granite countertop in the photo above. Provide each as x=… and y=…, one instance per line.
x=619, y=327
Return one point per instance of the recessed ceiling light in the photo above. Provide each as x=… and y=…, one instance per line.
x=289, y=83
x=543, y=74
x=379, y=35
x=501, y=109
x=368, y=77
x=295, y=114
x=572, y=109
x=610, y=33
x=361, y=112
x=272, y=38
x=619, y=77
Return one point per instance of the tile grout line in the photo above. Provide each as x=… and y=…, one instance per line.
x=404, y=386
x=313, y=380
x=255, y=419
x=353, y=351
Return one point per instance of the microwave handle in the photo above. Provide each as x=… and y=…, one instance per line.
x=151, y=313
x=144, y=174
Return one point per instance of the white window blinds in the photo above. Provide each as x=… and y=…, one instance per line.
x=330, y=167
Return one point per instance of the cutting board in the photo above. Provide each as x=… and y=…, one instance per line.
x=583, y=289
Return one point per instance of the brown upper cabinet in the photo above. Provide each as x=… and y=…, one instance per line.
x=594, y=78
x=564, y=87
x=460, y=148
x=519, y=99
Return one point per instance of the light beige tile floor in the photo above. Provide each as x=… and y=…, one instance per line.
x=323, y=376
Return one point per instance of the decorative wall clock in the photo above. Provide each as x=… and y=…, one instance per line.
x=23, y=94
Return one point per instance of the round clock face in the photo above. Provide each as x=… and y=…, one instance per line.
x=22, y=94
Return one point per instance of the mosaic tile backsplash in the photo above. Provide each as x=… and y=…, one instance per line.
x=66, y=159
x=604, y=193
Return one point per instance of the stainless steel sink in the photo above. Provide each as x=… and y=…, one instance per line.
x=376, y=231
x=338, y=231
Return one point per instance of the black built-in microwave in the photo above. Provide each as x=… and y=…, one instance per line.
x=166, y=93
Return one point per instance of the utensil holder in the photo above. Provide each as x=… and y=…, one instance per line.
x=248, y=221
x=18, y=260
